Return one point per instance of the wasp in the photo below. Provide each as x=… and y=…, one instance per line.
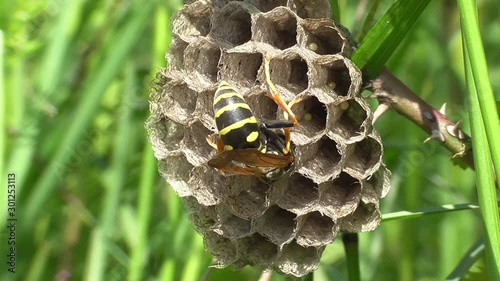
x=245, y=146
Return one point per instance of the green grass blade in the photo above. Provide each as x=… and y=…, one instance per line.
x=149, y=172
x=3, y=121
x=49, y=75
x=98, y=261
x=120, y=47
x=479, y=92
x=336, y=16
x=386, y=35
x=484, y=176
x=428, y=211
x=21, y=156
x=468, y=260
x=365, y=27
x=479, y=69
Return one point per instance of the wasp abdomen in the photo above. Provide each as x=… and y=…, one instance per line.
x=235, y=122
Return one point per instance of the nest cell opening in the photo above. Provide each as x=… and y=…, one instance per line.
x=300, y=194
x=365, y=218
x=258, y=250
x=297, y=260
x=263, y=107
x=232, y=24
x=380, y=181
x=205, y=109
x=312, y=116
x=277, y=28
x=290, y=74
x=317, y=230
x=222, y=249
x=201, y=219
x=176, y=54
x=365, y=155
x=234, y=227
x=170, y=133
x=193, y=21
x=324, y=164
x=325, y=36
x=176, y=169
x=352, y=116
x=204, y=59
x=179, y=103
x=298, y=73
x=277, y=224
x=336, y=77
x=250, y=202
x=340, y=197
x=241, y=68
x=311, y=9
x=196, y=147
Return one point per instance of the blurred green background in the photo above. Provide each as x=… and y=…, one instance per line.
x=90, y=204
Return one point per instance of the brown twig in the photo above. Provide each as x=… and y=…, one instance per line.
x=394, y=94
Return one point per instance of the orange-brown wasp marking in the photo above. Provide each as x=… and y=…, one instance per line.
x=245, y=146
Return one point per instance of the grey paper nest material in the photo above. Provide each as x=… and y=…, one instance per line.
x=339, y=176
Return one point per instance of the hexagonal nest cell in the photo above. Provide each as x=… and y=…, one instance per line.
x=335, y=75
x=193, y=21
x=258, y=250
x=310, y=8
x=289, y=73
x=366, y=218
x=324, y=34
x=233, y=23
x=241, y=68
x=202, y=59
x=312, y=115
x=337, y=177
x=317, y=230
x=277, y=225
x=349, y=120
x=325, y=163
x=264, y=108
x=176, y=55
x=296, y=260
x=341, y=196
x=179, y=103
x=300, y=196
x=249, y=203
x=365, y=156
x=277, y=28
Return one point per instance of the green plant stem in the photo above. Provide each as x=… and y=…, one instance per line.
x=392, y=92
x=479, y=71
x=351, y=247
x=428, y=211
x=484, y=178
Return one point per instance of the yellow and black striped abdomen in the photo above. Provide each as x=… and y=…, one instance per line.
x=235, y=122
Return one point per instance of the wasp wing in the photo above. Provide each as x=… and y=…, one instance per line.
x=249, y=157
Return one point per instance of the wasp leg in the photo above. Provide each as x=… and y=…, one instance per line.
x=214, y=141
x=288, y=140
x=278, y=124
x=275, y=95
x=275, y=144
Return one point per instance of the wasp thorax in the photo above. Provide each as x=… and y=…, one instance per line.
x=227, y=61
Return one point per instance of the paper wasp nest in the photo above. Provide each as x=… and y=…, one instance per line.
x=339, y=176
